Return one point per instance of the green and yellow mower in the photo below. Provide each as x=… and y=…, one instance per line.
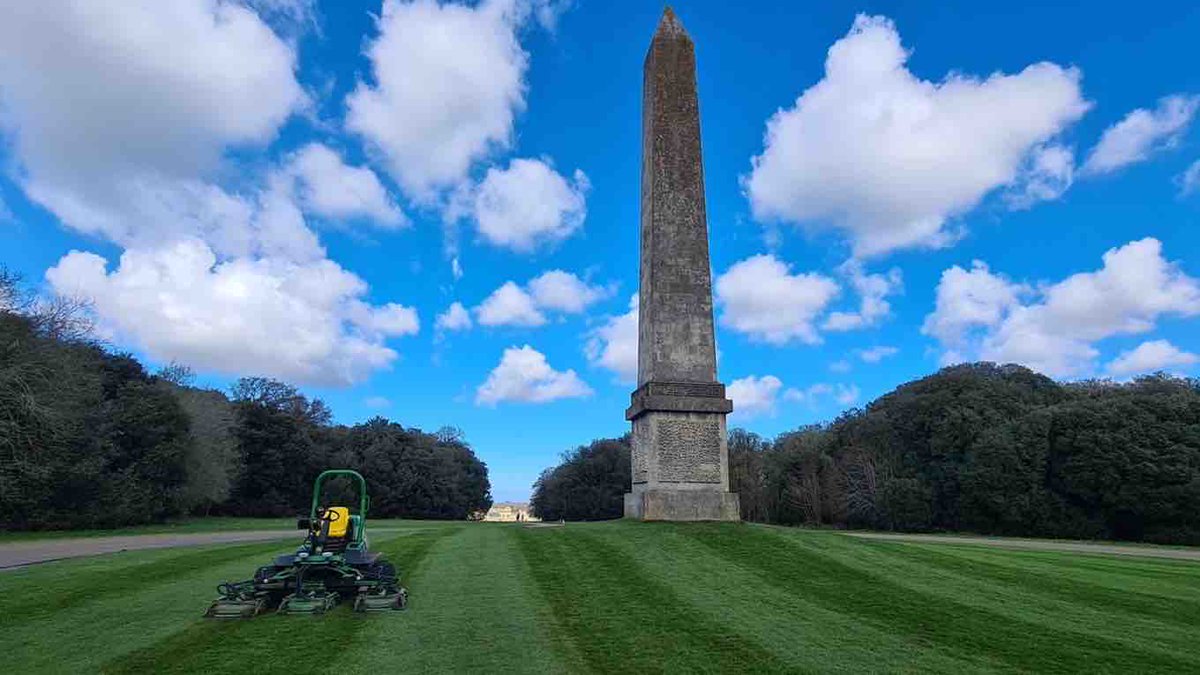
x=333, y=564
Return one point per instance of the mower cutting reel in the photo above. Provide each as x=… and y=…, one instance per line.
x=332, y=565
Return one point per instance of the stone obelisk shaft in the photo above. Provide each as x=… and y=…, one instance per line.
x=679, y=454
x=675, y=343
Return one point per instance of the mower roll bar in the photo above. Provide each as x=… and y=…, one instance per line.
x=364, y=501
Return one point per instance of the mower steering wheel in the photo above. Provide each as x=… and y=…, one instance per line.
x=330, y=515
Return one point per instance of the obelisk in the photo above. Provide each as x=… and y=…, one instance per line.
x=680, y=455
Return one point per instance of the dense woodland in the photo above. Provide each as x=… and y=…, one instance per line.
x=89, y=438
x=977, y=448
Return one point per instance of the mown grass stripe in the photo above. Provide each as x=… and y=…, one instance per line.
x=271, y=643
x=72, y=587
x=620, y=619
x=1073, y=590
x=1165, y=579
x=474, y=608
x=807, y=636
x=879, y=601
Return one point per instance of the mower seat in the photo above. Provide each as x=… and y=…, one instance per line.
x=337, y=529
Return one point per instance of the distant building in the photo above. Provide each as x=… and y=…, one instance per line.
x=509, y=512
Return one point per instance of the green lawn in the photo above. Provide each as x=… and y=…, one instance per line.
x=625, y=597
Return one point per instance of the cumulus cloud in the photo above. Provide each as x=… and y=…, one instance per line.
x=524, y=376
x=1151, y=356
x=122, y=117
x=872, y=289
x=509, y=305
x=1189, y=180
x=753, y=395
x=1142, y=133
x=877, y=353
x=182, y=81
x=761, y=298
x=306, y=323
x=456, y=317
x=889, y=158
x=565, y=292
x=1053, y=330
x=330, y=188
x=527, y=205
x=614, y=345
x=966, y=301
x=555, y=290
x=448, y=82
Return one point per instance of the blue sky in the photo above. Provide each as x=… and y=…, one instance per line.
x=301, y=189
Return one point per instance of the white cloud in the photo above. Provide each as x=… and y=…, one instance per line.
x=840, y=366
x=528, y=205
x=967, y=301
x=872, y=290
x=525, y=376
x=888, y=157
x=456, y=317
x=181, y=82
x=306, y=323
x=1151, y=356
x=760, y=297
x=1189, y=180
x=877, y=353
x=564, y=292
x=753, y=395
x=614, y=345
x=331, y=188
x=815, y=395
x=448, y=82
x=377, y=402
x=509, y=305
x=1049, y=171
x=1142, y=133
x=555, y=290
x=980, y=315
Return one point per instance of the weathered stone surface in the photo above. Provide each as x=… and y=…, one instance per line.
x=675, y=340
x=680, y=455
x=681, y=505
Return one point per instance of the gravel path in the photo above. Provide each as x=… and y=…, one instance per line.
x=21, y=553
x=1039, y=545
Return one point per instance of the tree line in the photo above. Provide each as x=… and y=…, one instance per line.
x=976, y=448
x=90, y=438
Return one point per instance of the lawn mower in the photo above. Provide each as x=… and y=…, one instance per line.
x=331, y=565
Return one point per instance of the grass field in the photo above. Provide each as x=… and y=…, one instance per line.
x=624, y=597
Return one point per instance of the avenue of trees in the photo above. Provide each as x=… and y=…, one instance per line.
x=978, y=448
x=89, y=438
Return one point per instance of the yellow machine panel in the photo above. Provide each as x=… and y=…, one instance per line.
x=338, y=523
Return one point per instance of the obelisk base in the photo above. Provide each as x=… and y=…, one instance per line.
x=682, y=505
x=679, y=453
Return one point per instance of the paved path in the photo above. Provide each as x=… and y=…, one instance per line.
x=21, y=553
x=1039, y=545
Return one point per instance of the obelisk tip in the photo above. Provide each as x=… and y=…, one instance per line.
x=669, y=25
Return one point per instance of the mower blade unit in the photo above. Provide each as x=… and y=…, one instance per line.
x=317, y=602
x=381, y=600
x=235, y=608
